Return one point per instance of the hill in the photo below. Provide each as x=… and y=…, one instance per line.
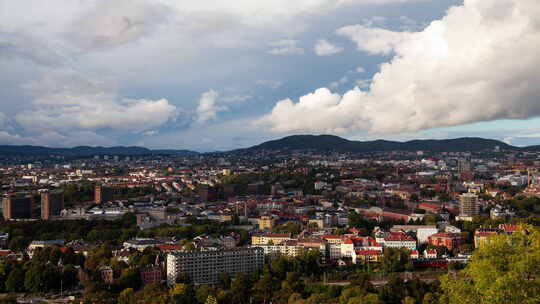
x=336, y=143
x=86, y=150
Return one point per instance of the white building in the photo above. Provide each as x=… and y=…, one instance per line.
x=205, y=267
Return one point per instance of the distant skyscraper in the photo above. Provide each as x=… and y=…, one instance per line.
x=468, y=205
x=103, y=194
x=464, y=165
x=18, y=207
x=51, y=204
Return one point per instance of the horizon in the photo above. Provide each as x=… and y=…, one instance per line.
x=213, y=77
x=256, y=144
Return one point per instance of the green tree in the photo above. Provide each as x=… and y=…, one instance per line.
x=126, y=296
x=504, y=270
x=15, y=280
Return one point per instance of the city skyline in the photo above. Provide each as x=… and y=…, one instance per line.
x=214, y=76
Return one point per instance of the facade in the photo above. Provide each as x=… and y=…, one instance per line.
x=18, y=207
x=52, y=204
x=468, y=205
x=107, y=274
x=399, y=240
x=103, y=194
x=273, y=238
x=446, y=239
x=205, y=267
x=4, y=236
x=152, y=275
x=481, y=236
x=266, y=222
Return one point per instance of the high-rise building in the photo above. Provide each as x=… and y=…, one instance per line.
x=468, y=205
x=464, y=165
x=205, y=267
x=208, y=194
x=18, y=207
x=103, y=194
x=52, y=203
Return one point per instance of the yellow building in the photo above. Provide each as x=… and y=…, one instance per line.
x=274, y=238
x=266, y=222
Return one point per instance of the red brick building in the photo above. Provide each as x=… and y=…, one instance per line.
x=153, y=275
x=446, y=239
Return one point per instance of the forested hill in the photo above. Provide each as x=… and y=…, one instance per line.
x=336, y=143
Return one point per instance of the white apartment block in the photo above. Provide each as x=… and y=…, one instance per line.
x=205, y=267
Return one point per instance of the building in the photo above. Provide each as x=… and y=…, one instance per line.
x=422, y=231
x=271, y=238
x=4, y=237
x=446, y=239
x=205, y=267
x=464, y=165
x=52, y=204
x=399, y=240
x=266, y=222
x=481, y=236
x=103, y=194
x=468, y=205
x=208, y=194
x=18, y=207
x=141, y=243
x=151, y=275
x=107, y=274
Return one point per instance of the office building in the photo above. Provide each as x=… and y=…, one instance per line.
x=205, y=267
x=18, y=207
x=103, y=194
x=52, y=203
x=468, y=205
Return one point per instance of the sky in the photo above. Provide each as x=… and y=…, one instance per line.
x=218, y=75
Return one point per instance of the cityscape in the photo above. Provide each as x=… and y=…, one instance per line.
x=270, y=152
x=280, y=225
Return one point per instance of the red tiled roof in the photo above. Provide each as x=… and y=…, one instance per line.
x=369, y=252
x=398, y=236
x=169, y=247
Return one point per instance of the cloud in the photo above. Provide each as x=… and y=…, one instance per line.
x=360, y=70
x=375, y=41
x=236, y=98
x=70, y=101
x=273, y=84
x=336, y=84
x=285, y=47
x=209, y=107
x=28, y=48
x=363, y=83
x=325, y=48
x=458, y=70
x=113, y=23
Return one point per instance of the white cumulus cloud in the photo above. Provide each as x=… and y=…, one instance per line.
x=209, y=107
x=70, y=101
x=478, y=63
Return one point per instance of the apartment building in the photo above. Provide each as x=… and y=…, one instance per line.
x=205, y=267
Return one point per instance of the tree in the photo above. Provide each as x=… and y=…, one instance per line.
x=15, y=280
x=182, y=294
x=394, y=260
x=126, y=296
x=504, y=270
x=41, y=278
x=408, y=300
